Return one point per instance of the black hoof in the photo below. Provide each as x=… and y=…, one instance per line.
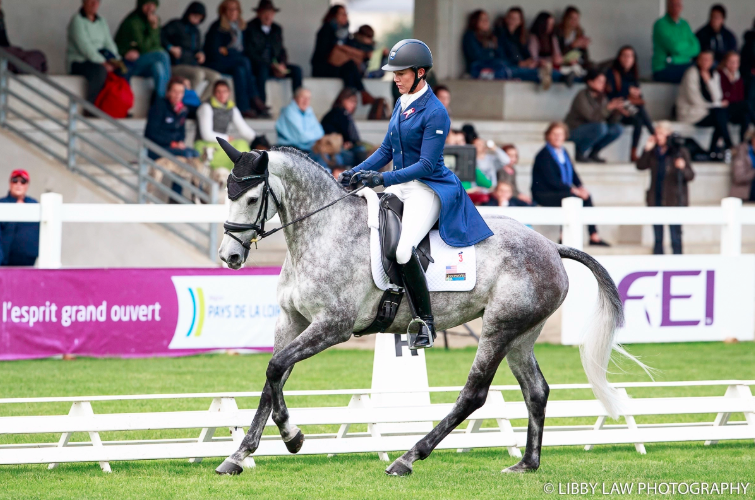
x=295, y=444
x=398, y=469
x=521, y=467
x=228, y=468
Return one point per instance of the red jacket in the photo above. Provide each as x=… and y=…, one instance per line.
x=733, y=91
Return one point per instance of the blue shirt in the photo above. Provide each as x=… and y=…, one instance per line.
x=298, y=128
x=564, y=164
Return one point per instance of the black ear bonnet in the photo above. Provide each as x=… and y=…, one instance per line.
x=249, y=169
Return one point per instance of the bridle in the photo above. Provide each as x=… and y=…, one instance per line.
x=259, y=223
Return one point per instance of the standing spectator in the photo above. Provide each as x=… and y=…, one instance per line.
x=297, y=125
x=573, y=44
x=623, y=81
x=674, y=45
x=593, y=119
x=263, y=45
x=743, y=169
x=670, y=170
x=554, y=177
x=544, y=49
x=332, y=58
x=700, y=100
x=19, y=241
x=224, y=49
x=183, y=41
x=340, y=120
x=507, y=174
x=91, y=49
x=714, y=36
x=214, y=117
x=34, y=58
x=513, y=39
x=733, y=88
x=138, y=41
x=481, y=50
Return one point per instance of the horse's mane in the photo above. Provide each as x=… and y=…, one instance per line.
x=301, y=157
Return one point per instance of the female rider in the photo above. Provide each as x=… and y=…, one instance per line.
x=414, y=141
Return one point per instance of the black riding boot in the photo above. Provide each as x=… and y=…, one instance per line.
x=415, y=284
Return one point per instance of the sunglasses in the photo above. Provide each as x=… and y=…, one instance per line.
x=17, y=180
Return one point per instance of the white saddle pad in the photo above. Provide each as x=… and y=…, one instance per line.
x=454, y=269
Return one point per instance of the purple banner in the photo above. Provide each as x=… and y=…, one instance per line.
x=135, y=312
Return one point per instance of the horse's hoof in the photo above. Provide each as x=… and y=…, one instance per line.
x=520, y=468
x=398, y=468
x=228, y=468
x=294, y=444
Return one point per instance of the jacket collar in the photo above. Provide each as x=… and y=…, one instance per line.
x=417, y=105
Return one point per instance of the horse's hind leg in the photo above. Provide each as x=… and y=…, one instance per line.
x=535, y=390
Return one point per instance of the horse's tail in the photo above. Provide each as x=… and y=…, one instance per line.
x=599, y=340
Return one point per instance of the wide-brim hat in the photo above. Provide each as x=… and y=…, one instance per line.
x=266, y=5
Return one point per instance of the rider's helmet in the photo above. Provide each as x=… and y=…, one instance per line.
x=410, y=53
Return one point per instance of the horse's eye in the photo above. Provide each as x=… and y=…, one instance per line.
x=252, y=201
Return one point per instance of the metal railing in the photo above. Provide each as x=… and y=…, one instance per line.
x=106, y=152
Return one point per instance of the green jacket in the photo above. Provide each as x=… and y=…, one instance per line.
x=136, y=33
x=86, y=39
x=673, y=43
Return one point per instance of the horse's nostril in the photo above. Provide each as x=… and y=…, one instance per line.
x=234, y=259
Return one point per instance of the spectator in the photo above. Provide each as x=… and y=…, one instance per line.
x=743, y=169
x=91, y=49
x=224, y=49
x=214, y=117
x=297, y=125
x=183, y=41
x=554, y=177
x=332, y=58
x=490, y=160
x=507, y=174
x=19, y=241
x=503, y=196
x=748, y=64
x=364, y=40
x=623, y=81
x=138, y=41
x=34, y=58
x=670, y=171
x=714, y=36
x=166, y=122
x=512, y=38
x=733, y=89
x=573, y=45
x=340, y=120
x=544, y=49
x=481, y=50
x=444, y=96
x=700, y=100
x=260, y=143
x=263, y=45
x=674, y=45
x=593, y=119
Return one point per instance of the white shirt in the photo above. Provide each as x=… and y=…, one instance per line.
x=265, y=29
x=204, y=122
x=407, y=99
x=560, y=154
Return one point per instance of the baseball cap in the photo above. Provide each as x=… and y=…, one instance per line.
x=20, y=173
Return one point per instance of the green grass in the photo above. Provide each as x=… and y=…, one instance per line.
x=445, y=474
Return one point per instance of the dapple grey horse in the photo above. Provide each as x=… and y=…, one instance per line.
x=326, y=292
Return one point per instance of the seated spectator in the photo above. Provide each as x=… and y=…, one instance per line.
x=670, y=171
x=364, y=40
x=34, y=58
x=166, y=122
x=214, y=117
x=332, y=58
x=183, y=41
x=743, y=169
x=481, y=50
x=503, y=196
x=593, y=119
x=91, y=49
x=513, y=39
x=507, y=174
x=327, y=151
x=224, y=49
x=700, y=100
x=674, y=45
x=297, y=125
x=554, y=177
x=733, y=89
x=544, y=49
x=263, y=45
x=623, y=81
x=260, y=143
x=748, y=64
x=714, y=36
x=19, y=241
x=490, y=160
x=138, y=42
x=444, y=96
x=340, y=120
x=573, y=45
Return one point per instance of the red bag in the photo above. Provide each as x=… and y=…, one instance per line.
x=116, y=97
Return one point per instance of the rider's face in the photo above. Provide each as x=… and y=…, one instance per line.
x=405, y=79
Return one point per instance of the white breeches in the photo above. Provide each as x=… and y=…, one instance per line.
x=421, y=210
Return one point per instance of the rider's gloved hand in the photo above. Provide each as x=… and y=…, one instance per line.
x=345, y=177
x=371, y=179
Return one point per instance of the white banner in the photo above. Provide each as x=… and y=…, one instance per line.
x=671, y=298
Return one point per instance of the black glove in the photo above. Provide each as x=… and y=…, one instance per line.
x=371, y=179
x=345, y=177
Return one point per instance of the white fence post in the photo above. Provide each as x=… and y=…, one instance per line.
x=572, y=233
x=731, y=231
x=50, y=230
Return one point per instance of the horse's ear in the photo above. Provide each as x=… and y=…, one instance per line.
x=261, y=162
x=232, y=152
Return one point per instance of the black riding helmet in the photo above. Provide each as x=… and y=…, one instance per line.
x=410, y=53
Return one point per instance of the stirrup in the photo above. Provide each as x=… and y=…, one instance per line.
x=424, y=331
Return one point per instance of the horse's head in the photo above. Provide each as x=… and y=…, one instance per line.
x=253, y=201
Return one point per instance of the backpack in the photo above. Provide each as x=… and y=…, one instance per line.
x=379, y=110
x=116, y=97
